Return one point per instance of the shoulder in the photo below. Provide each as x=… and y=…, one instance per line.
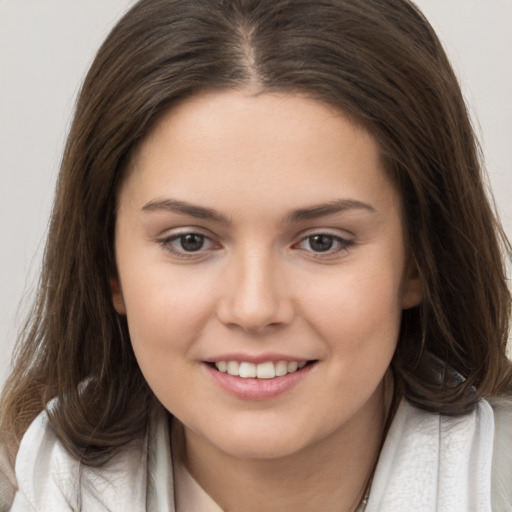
x=49, y=478
x=437, y=462
x=45, y=472
x=502, y=454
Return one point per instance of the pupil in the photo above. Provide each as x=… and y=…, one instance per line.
x=321, y=243
x=192, y=242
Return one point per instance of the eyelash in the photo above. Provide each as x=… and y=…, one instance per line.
x=342, y=244
x=167, y=244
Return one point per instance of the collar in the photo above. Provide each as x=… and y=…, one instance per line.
x=429, y=462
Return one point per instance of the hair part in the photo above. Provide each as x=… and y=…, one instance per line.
x=379, y=63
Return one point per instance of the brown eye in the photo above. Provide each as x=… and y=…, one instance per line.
x=321, y=243
x=191, y=242
x=324, y=244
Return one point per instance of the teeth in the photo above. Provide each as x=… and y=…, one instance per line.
x=292, y=366
x=222, y=366
x=267, y=370
x=247, y=370
x=281, y=368
x=233, y=367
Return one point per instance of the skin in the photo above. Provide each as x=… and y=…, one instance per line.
x=259, y=286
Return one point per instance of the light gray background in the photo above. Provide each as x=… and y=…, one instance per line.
x=46, y=47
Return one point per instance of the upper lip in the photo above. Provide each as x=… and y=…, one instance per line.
x=256, y=359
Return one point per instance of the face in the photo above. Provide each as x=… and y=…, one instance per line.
x=263, y=270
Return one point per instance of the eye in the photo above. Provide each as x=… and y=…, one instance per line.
x=324, y=243
x=188, y=244
x=191, y=242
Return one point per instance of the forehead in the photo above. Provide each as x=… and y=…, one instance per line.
x=282, y=147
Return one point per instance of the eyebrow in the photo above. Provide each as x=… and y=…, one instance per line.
x=300, y=215
x=184, y=208
x=330, y=208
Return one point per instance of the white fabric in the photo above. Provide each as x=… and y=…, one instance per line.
x=429, y=463
x=433, y=463
x=501, y=479
x=50, y=480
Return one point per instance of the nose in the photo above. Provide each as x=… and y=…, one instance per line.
x=255, y=297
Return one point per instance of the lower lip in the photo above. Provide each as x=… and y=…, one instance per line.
x=257, y=389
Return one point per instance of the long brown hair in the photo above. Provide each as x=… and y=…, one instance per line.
x=380, y=63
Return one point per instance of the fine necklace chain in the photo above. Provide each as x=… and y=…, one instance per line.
x=389, y=418
x=364, y=501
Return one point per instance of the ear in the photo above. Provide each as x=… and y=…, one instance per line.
x=117, y=296
x=412, y=289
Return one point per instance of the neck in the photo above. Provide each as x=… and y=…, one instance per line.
x=331, y=475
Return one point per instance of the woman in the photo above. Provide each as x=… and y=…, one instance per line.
x=270, y=226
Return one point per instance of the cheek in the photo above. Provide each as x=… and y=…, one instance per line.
x=165, y=319
x=166, y=310
x=360, y=326
x=359, y=312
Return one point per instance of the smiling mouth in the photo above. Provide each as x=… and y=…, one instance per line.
x=266, y=370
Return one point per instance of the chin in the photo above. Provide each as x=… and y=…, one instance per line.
x=271, y=440
x=256, y=447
